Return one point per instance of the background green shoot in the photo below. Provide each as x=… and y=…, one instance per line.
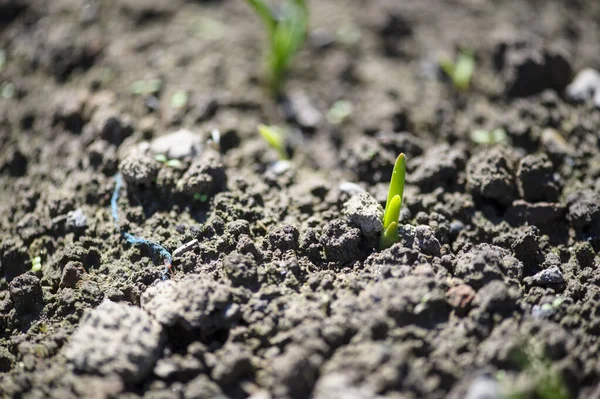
x=286, y=32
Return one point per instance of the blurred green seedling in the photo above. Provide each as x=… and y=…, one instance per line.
x=461, y=70
x=286, y=30
x=391, y=215
x=488, y=137
x=36, y=264
x=276, y=138
x=172, y=163
x=339, y=111
x=145, y=87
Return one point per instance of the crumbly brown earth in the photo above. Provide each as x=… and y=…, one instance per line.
x=494, y=288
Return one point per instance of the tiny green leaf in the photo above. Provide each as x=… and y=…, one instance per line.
x=175, y=164
x=275, y=138
x=179, y=99
x=162, y=158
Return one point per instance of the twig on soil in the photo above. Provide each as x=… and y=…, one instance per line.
x=154, y=247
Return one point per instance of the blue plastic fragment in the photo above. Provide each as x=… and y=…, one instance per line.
x=154, y=247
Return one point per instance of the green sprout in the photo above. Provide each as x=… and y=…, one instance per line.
x=287, y=31
x=36, y=264
x=171, y=163
x=488, y=137
x=393, y=204
x=339, y=111
x=460, y=71
x=145, y=87
x=276, y=138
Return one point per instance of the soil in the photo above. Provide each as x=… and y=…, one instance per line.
x=277, y=289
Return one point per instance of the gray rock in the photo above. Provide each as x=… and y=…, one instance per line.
x=76, y=220
x=177, y=145
x=193, y=302
x=365, y=212
x=116, y=338
x=549, y=276
x=300, y=108
x=351, y=188
x=484, y=388
x=585, y=86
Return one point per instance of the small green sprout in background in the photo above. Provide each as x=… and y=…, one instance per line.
x=488, y=137
x=287, y=31
x=339, y=111
x=391, y=215
x=145, y=87
x=172, y=163
x=200, y=197
x=348, y=35
x=2, y=59
x=460, y=71
x=544, y=382
x=276, y=138
x=179, y=99
x=36, y=264
x=7, y=90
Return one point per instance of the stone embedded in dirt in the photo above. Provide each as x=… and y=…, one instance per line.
x=116, y=338
x=496, y=297
x=438, y=167
x=530, y=68
x=351, y=188
x=484, y=387
x=340, y=241
x=178, y=145
x=241, y=269
x=484, y=263
x=490, y=174
x=111, y=125
x=299, y=108
x=206, y=175
x=364, y=211
x=138, y=170
x=460, y=296
x=193, y=303
x=426, y=242
x=76, y=220
x=71, y=274
x=26, y=293
x=585, y=86
x=584, y=209
x=549, y=277
x=536, y=180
